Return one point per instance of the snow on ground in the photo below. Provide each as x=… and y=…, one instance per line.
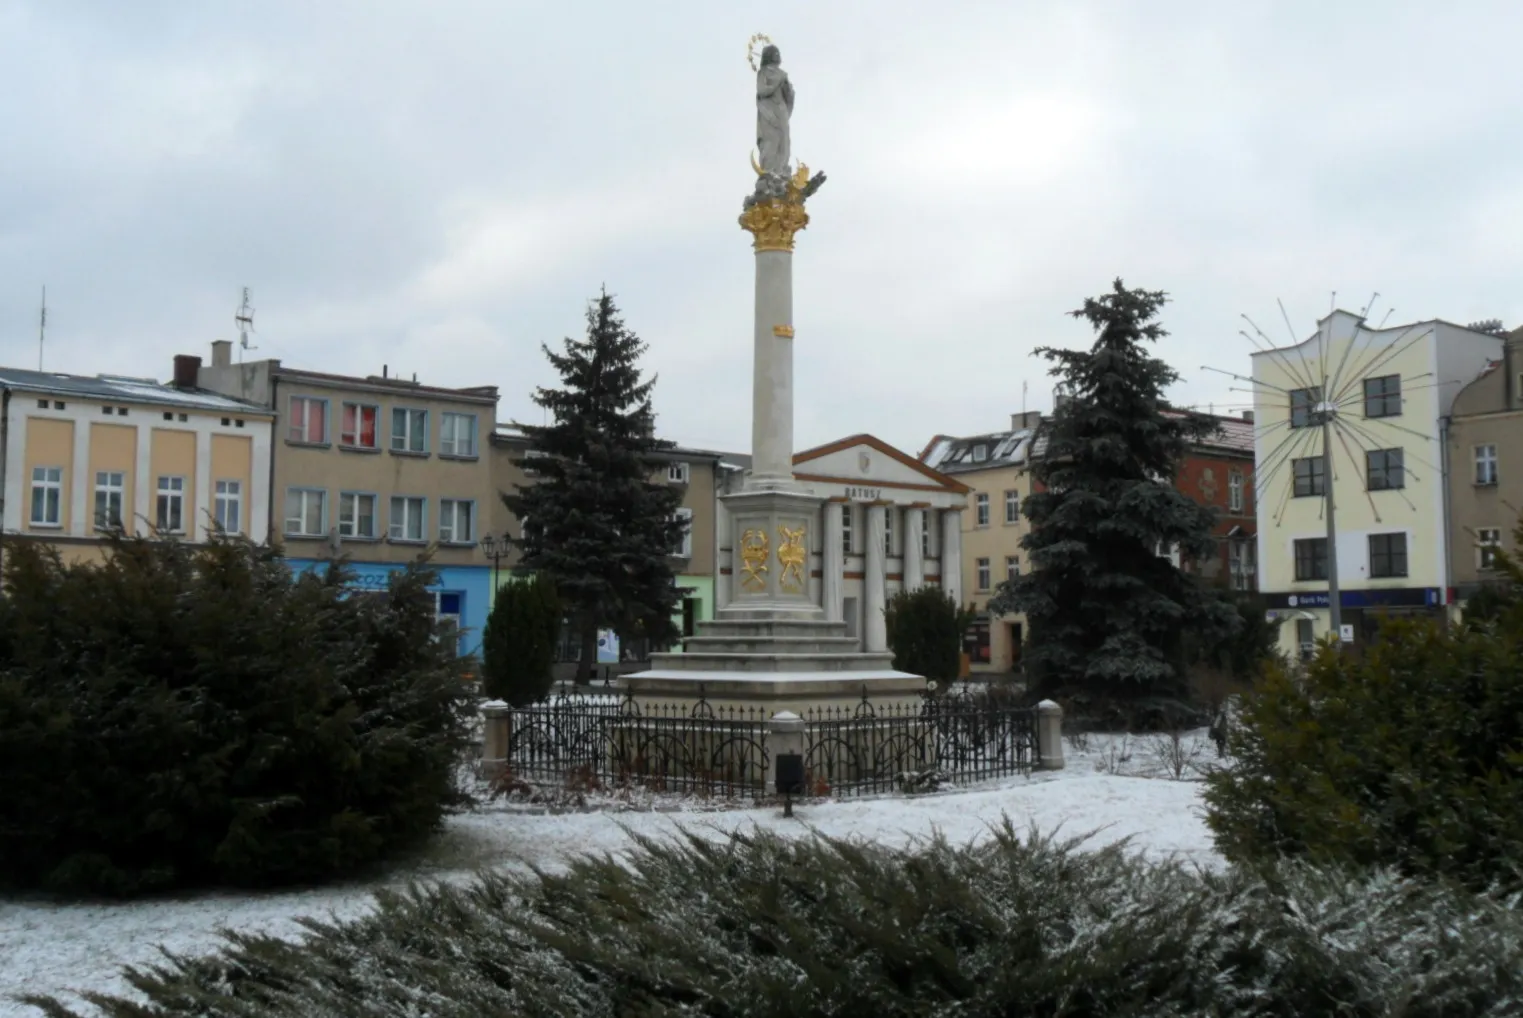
x=1117, y=786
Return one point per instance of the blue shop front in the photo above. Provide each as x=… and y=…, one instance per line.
x=461, y=595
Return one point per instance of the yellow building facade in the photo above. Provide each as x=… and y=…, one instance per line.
x=85, y=454
x=1389, y=391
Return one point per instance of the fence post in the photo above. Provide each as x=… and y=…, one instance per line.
x=1049, y=736
x=785, y=734
x=496, y=728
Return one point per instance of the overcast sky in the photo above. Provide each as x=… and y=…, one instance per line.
x=439, y=187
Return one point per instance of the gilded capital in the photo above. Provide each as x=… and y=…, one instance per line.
x=773, y=223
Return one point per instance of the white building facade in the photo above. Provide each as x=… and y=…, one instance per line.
x=890, y=523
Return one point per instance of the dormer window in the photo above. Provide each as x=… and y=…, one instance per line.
x=980, y=453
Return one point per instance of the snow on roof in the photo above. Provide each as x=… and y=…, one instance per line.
x=979, y=452
x=123, y=389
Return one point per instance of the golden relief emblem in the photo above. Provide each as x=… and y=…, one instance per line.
x=791, y=555
x=753, y=559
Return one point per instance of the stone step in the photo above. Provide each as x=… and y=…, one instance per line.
x=766, y=644
x=770, y=662
x=754, y=628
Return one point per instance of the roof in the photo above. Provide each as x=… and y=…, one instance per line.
x=470, y=394
x=125, y=389
x=1001, y=449
x=506, y=432
x=929, y=472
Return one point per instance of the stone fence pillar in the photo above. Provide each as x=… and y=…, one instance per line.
x=496, y=730
x=785, y=734
x=1049, y=736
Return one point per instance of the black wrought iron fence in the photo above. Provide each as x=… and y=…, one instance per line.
x=698, y=748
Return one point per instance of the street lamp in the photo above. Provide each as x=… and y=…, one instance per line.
x=496, y=549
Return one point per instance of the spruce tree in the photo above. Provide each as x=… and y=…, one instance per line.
x=1108, y=616
x=518, y=644
x=594, y=520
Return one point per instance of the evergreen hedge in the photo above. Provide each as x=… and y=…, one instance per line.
x=518, y=645
x=189, y=716
x=925, y=630
x=763, y=927
x=1409, y=755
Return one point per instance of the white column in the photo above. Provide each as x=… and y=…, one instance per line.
x=144, y=486
x=258, y=504
x=833, y=565
x=17, y=481
x=772, y=374
x=722, y=557
x=201, y=517
x=81, y=508
x=914, y=564
x=951, y=553
x=874, y=583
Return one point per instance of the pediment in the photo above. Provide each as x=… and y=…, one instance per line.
x=865, y=460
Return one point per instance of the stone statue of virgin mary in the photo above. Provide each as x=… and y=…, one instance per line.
x=774, y=107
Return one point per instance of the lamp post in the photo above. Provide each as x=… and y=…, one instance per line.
x=496, y=549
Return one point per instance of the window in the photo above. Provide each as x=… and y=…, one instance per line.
x=1235, y=491
x=171, y=505
x=47, y=496
x=359, y=428
x=1012, y=567
x=406, y=518
x=1012, y=507
x=457, y=434
x=1382, y=396
x=1383, y=470
x=409, y=430
x=448, y=614
x=309, y=420
x=227, y=509
x=1311, y=559
x=846, y=515
x=925, y=534
x=1302, y=402
x=981, y=509
x=685, y=546
x=1388, y=555
x=888, y=530
x=106, y=410
x=42, y=404
x=456, y=521
x=1242, y=564
x=980, y=453
x=306, y=512
x=356, y=515
x=1306, y=641
x=983, y=573
x=1485, y=464
x=110, y=496
x=1487, y=541
x=1309, y=476
x=677, y=473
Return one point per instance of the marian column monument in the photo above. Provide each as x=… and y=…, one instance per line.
x=773, y=645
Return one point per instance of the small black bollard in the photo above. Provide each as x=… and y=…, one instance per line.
x=790, y=778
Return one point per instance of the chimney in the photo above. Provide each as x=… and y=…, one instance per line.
x=187, y=371
x=1248, y=416
x=1026, y=419
x=222, y=353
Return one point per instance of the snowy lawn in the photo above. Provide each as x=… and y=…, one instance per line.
x=1119, y=787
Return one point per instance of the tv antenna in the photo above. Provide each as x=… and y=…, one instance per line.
x=244, y=319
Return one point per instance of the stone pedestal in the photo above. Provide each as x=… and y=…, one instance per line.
x=496, y=730
x=773, y=532
x=1049, y=736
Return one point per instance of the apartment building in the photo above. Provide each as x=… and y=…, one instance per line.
x=698, y=472
x=1217, y=472
x=1389, y=392
x=996, y=470
x=378, y=469
x=80, y=455
x=1484, y=453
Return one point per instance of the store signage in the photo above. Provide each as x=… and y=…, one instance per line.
x=857, y=494
x=1392, y=597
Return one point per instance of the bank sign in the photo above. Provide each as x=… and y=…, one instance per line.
x=1396, y=597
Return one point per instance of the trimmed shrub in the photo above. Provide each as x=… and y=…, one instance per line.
x=925, y=630
x=762, y=927
x=518, y=645
x=1409, y=755
x=187, y=716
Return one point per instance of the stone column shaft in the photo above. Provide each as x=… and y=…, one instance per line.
x=772, y=372
x=875, y=582
x=833, y=565
x=951, y=553
x=914, y=563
